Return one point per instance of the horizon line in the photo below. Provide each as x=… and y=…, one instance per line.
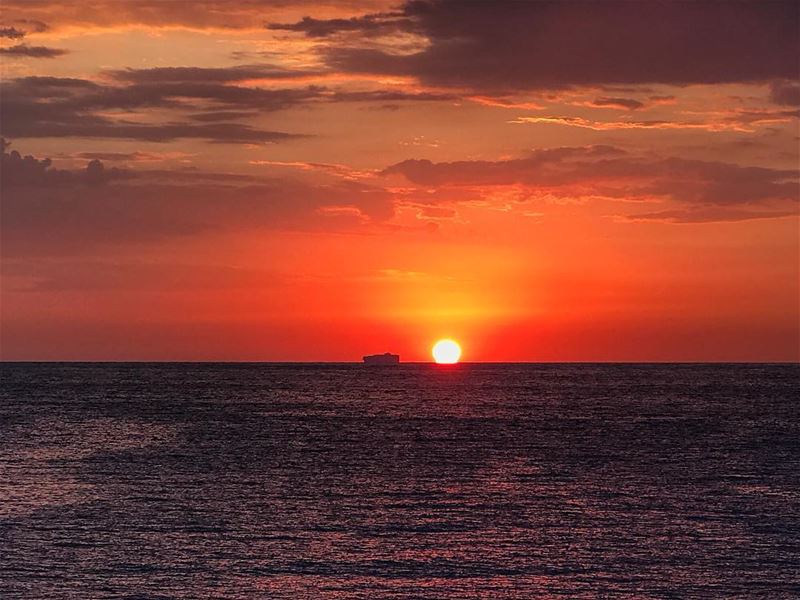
x=343, y=362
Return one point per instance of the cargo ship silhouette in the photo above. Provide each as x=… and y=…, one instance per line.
x=382, y=359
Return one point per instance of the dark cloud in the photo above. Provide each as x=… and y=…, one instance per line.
x=48, y=86
x=785, y=92
x=538, y=45
x=98, y=127
x=390, y=96
x=597, y=171
x=12, y=33
x=67, y=107
x=23, y=50
x=704, y=182
x=222, y=115
x=386, y=107
x=541, y=165
x=18, y=170
x=201, y=74
x=54, y=107
x=367, y=25
x=21, y=28
x=623, y=103
x=227, y=15
x=119, y=156
x=46, y=211
x=177, y=94
x=32, y=25
x=209, y=84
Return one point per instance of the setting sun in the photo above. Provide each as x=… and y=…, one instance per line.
x=446, y=352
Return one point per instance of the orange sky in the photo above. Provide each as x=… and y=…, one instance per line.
x=251, y=180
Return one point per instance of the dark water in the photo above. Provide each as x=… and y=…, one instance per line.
x=341, y=481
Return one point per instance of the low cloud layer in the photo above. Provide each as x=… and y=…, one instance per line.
x=48, y=211
x=702, y=187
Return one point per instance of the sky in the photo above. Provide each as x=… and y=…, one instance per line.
x=302, y=181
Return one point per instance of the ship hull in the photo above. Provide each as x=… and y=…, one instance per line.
x=382, y=359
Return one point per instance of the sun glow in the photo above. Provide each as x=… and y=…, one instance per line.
x=446, y=352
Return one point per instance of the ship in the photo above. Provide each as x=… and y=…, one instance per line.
x=382, y=359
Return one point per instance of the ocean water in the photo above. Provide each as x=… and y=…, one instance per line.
x=417, y=481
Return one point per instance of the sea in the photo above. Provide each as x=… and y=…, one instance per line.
x=336, y=481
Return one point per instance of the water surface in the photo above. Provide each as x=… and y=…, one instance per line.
x=417, y=481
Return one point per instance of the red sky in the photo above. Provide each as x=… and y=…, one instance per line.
x=248, y=180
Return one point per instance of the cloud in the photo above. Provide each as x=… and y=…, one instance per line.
x=221, y=15
x=493, y=47
x=367, y=25
x=21, y=28
x=606, y=171
x=785, y=92
x=223, y=115
x=131, y=156
x=390, y=96
x=211, y=84
x=11, y=33
x=47, y=211
x=31, y=25
x=502, y=102
x=68, y=107
x=734, y=120
x=623, y=103
x=531, y=169
x=99, y=127
x=436, y=212
x=205, y=74
x=479, y=46
x=339, y=170
x=28, y=170
x=25, y=51
x=710, y=215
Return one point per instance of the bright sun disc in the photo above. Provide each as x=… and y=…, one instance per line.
x=446, y=352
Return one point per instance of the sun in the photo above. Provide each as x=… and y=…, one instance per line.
x=446, y=352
